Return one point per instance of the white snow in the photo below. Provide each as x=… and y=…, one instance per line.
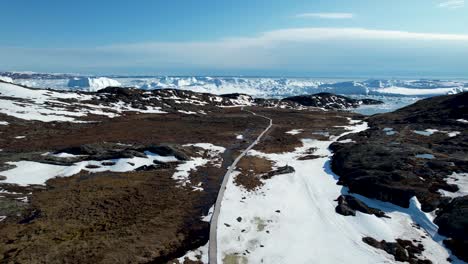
x=63, y=155
x=45, y=106
x=415, y=92
x=214, y=150
x=6, y=79
x=199, y=254
x=425, y=156
x=182, y=174
x=240, y=137
x=187, y=112
x=462, y=121
x=346, y=141
x=29, y=172
x=389, y=131
x=292, y=218
x=20, y=137
x=3, y=123
x=2, y=218
x=430, y=132
x=459, y=179
x=183, y=170
x=207, y=218
x=427, y=132
x=453, y=134
x=295, y=132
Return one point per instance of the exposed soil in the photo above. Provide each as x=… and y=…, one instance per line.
x=250, y=168
x=134, y=217
x=316, y=124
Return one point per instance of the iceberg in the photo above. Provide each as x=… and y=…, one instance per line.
x=91, y=84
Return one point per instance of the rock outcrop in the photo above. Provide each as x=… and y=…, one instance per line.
x=411, y=152
x=330, y=101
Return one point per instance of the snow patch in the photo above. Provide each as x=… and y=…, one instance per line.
x=198, y=255
x=30, y=172
x=427, y=132
x=6, y=79
x=295, y=132
x=182, y=174
x=459, y=179
x=187, y=112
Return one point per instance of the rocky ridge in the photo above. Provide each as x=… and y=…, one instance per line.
x=412, y=152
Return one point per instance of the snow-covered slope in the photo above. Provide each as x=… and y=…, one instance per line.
x=6, y=79
x=267, y=226
x=48, y=106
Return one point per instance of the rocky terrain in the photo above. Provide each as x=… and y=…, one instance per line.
x=330, y=101
x=138, y=186
x=415, y=151
x=125, y=175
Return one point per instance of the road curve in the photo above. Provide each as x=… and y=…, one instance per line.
x=213, y=242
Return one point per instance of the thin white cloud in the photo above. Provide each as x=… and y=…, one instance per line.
x=326, y=15
x=452, y=4
x=311, y=34
x=284, y=49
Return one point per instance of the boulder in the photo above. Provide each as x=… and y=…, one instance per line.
x=348, y=205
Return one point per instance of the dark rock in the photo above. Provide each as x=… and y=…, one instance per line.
x=452, y=220
x=370, y=102
x=91, y=166
x=329, y=101
x=163, y=165
x=310, y=157
x=402, y=250
x=458, y=247
x=31, y=217
x=386, y=168
x=239, y=219
x=348, y=205
x=104, y=151
x=147, y=168
x=281, y=170
x=2, y=178
x=167, y=150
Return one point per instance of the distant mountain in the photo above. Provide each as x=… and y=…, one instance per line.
x=37, y=75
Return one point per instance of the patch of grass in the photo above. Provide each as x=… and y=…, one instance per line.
x=234, y=259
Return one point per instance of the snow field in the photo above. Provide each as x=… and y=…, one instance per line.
x=292, y=218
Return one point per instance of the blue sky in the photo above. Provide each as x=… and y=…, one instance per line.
x=366, y=38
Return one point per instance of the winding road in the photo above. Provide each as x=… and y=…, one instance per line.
x=213, y=242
